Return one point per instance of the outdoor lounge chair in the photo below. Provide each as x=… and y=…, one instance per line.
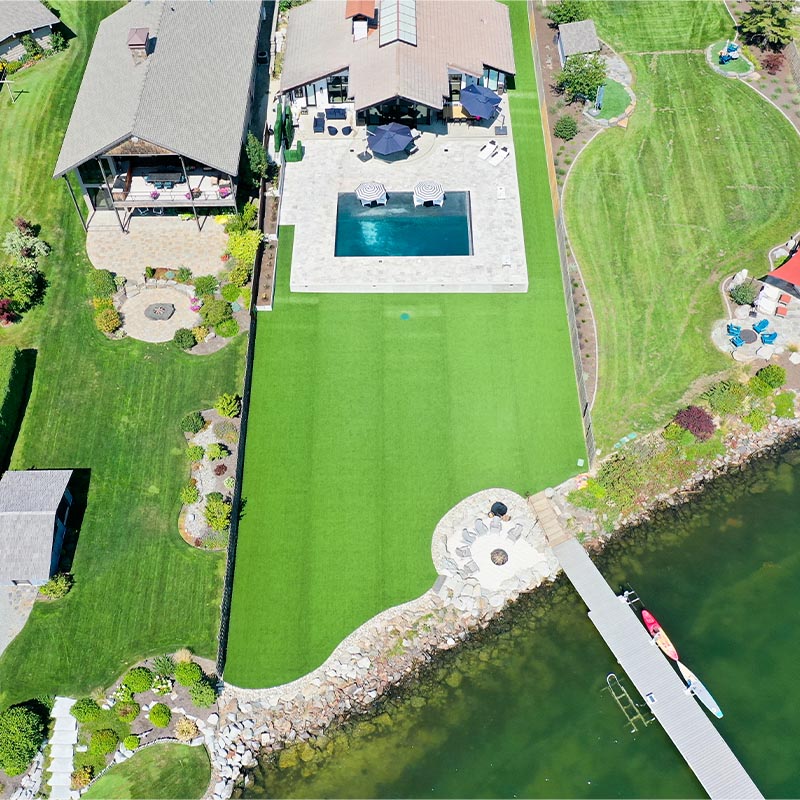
x=785, y=299
x=734, y=330
x=495, y=526
x=347, y=130
x=470, y=568
x=781, y=311
x=737, y=341
x=332, y=131
x=468, y=536
x=769, y=338
x=499, y=157
x=515, y=532
x=463, y=552
x=761, y=325
x=319, y=123
x=487, y=150
x=480, y=527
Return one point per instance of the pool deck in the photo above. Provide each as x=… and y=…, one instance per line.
x=332, y=165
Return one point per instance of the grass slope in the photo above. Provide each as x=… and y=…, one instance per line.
x=161, y=772
x=696, y=188
x=654, y=25
x=108, y=408
x=365, y=429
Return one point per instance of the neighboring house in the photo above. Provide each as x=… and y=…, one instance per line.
x=34, y=506
x=18, y=18
x=164, y=106
x=403, y=60
x=577, y=38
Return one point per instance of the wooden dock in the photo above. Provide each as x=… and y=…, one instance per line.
x=680, y=714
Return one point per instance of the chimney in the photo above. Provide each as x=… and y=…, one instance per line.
x=138, y=43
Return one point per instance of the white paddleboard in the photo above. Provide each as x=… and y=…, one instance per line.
x=700, y=691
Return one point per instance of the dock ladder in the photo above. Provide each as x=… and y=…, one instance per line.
x=631, y=711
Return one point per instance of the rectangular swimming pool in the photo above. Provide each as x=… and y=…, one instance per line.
x=399, y=229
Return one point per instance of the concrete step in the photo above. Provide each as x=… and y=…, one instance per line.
x=61, y=751
x=67, y=723
x=60, y=793
x=61, y=706
x=60, y=779
x=64, y=737
x=60, y=765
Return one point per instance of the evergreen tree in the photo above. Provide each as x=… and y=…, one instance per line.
x=769, y=23
x=567, y=11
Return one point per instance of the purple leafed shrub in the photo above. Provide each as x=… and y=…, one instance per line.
x=697, y=421
x=7, y=311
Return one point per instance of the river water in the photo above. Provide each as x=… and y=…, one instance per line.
x=520, y=711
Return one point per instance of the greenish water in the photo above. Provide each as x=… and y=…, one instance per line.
x=519, y=712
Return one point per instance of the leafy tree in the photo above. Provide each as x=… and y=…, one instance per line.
x=769, y=23
x=228, y=405
x=697, y=421
x=772, y=62
x=218, y=514
x=21, y=736
x=567, y=11
x=57, y=42
x=188, y=673
x=22, y=283
x=256, y=156
x=85, y=709
x=566, y=128
x=773, y=375
x=32, y=47
x=581, y=77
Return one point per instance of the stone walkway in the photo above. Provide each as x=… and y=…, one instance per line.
x=16, y=603
x=64, y=739
x=155, y=242
x=138, y=326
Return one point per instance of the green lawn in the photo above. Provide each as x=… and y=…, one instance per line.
x=365, y=429
x=699, y=186
x=110, y=409
x=161, y=772
x=648, y=25
x=615, y=100
x=736, y=65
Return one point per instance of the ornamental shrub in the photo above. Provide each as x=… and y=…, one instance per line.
x=160, y=715
x=245, y=221
x=58, y=586
x=162, y=684
x=567, y=11
x=85, y=710
x=7, y=313
x=784, y=405
x=184, y=275
x=82, y=777
x=215, y=311
x=101, y=283
x=744, y=294
x=239, y=275
x=697, y=420
x=216, y=451
x=726, y=397
x=200, y=332
x=102, y=303
x=193, y=422
x=103, y=742
x=675, y=433
x=205, y=285
x=182, y=656
x=131, y=741
x=164, y=665
x=228, y=405
x=22, y=242
x=566, y=128
x=203, y=694
x=123, y=694
x=194, y=452
x=108, y=320
x=184, y=339
x=227, y=329
x=773, y=375
x=127, y=712
x=139, y=679
x=226, y=431
x=21, y=735
x=22, y=283
x=220, y=469
x=218, y=514
x=582, y=76
x=756, y=419
x=188, y=673
x=243, y=247
x=758, y=387
x=185, y=730
x=772, y=62
x=231, y=292
x=189, y=494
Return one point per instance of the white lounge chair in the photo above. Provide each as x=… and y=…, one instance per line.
x=488, y=150
x=501, y=155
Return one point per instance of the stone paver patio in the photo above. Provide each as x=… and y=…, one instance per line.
x=138, y=326
x=155, y=242
x=787, y=328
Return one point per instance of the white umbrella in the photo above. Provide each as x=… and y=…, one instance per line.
x=429, y=191
x=370, y=192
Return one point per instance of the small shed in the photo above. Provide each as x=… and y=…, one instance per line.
x=576, y=38
x=34, y=507
x=21, y=17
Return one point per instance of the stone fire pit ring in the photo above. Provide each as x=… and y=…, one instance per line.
x=159, y=311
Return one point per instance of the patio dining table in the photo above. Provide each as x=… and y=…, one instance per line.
x=165, y=177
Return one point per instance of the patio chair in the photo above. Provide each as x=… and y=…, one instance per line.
x=499, y=157
x=785, y=299
x=470, y=567
x=332, y=131
x=319, y=123
x=347, y=130
x=468, y=536
x=495, y=526
x=515, y=532
x=463, y=552
x=737, y=341
x=781, y=311
x=761, y=325
x=487, y=150
x=734, y=330
x=480, y=527
x=769, y=338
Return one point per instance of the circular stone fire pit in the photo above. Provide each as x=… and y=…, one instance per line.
x=499, y=557
x=158, y=311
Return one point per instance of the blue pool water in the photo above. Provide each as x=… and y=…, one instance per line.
x=399, y=229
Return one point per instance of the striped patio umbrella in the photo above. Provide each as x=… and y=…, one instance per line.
x=370, y=191
x=426, y=191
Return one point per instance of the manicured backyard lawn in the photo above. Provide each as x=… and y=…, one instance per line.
x=615, y=100
x=365, y=428
x=110, y=409
x=699, y=186
x=161, y=772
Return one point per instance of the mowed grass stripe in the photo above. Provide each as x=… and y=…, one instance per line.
x=696, y=188
x=365, y=429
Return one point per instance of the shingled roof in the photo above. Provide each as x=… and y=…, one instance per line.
x=463, y=35
x=189, y=96
x=28, y=503
x=578, y=37
x=23, y=16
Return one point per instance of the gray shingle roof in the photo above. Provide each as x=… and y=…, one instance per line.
x=23, y=16
x=28, y=504
x=461, y=34
x=190, y=95
x=579, y=37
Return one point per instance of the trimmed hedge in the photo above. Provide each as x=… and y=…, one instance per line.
x=13, y=377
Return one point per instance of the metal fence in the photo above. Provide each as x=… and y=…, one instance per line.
x=586, y=414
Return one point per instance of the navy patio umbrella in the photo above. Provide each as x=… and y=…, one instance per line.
x=478, y=101
x=391, y=138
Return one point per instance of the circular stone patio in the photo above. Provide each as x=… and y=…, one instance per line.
x=138, y=326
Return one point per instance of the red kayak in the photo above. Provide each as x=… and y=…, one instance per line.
x=657, y=632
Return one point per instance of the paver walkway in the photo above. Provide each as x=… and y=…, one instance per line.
x=62, y=742
x=16, y=603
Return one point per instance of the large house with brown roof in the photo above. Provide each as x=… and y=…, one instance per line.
x=403, y=60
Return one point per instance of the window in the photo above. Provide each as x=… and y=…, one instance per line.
x=491, y=78
x=455, y=88
x=337, y=89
